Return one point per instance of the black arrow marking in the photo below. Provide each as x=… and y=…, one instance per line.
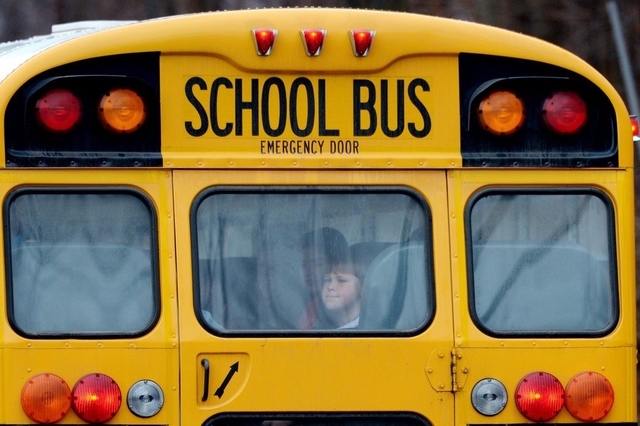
x=233, y=369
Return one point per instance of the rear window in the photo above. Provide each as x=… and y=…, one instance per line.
x=542, y=262
x=300, y=260
x=319, y=419
x=80, y=263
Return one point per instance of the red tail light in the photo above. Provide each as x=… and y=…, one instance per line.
x=589, y=396
x=564, y=113
x=46, y=398
x=96, y=398
x=539, y=396
x=634, y=127
x=58, y=110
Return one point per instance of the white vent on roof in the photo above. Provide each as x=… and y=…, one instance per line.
x=87, y=25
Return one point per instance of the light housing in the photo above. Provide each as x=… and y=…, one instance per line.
x=313, y=39
x=489, y=397
x=96, y=398
x=539, y=396
x=58, y=110
x=361, y=41
x=145, y=398
x=264, y=39
x=635, y=132
x=564, y=112
x=589, y=396
x=46, y=398
x=501, y=113
x=122, y=111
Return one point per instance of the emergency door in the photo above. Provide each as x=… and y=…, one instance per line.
x=300, y=299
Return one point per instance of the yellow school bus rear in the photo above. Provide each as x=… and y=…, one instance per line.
x=312, y=216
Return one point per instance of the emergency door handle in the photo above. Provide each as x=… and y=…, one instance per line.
x=205, y=365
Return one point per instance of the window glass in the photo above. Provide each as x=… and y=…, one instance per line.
x=80, y=263
x=283, y=259
x=543, y=263
x=319, y=419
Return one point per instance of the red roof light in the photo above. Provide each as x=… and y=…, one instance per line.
x=313, y=40
x=264, y=38
x=361, y=41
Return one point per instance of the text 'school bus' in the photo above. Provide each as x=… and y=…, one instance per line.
x=312, y=217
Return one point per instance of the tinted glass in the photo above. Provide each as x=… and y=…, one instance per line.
x=287, y=260
x=80, y=263
x=543, y=263
x=319, y=419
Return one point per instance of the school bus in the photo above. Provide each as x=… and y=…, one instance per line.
x=312, y=216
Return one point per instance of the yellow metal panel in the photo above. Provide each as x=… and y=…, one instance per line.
x=153, y=356
x=406, y=47
x=316, y=374
x=510, y=359
x=417, y=95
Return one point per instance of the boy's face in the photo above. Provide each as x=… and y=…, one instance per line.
x=341, y=291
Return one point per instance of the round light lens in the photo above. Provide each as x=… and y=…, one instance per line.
x=46, y=398
x=122, y=111
x=564, y=113
x=539, y=396
x=489, y=397
x=589, y=396
x=58, y=110
x=96, y=398
x=501, y=113
x=145, y=398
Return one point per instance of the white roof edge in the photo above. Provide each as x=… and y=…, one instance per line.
x=87, y=25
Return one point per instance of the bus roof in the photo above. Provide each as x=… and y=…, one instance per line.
x=15, y=53
x=225, y=104
x=405, y=35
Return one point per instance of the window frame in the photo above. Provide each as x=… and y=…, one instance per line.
x=212, y=190
x=299, y=418
x=83, y=190
x=611, y=249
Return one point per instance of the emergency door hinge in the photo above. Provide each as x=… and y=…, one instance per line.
x=459, y=369
x=438, y=370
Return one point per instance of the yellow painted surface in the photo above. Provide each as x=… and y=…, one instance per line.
x=310, y=374
x=154, y=356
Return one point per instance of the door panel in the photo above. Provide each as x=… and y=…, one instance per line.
x=275, y=368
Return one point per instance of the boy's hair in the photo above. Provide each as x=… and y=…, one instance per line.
x=350, y=266
x=328, y=241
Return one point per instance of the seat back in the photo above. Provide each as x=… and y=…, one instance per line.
x=553, y=288
x=396, y=289
x=80, y=289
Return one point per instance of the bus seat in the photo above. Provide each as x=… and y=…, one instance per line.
x=233, y=293
x=395, y=291
x=81, y=289
x=546, y=288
